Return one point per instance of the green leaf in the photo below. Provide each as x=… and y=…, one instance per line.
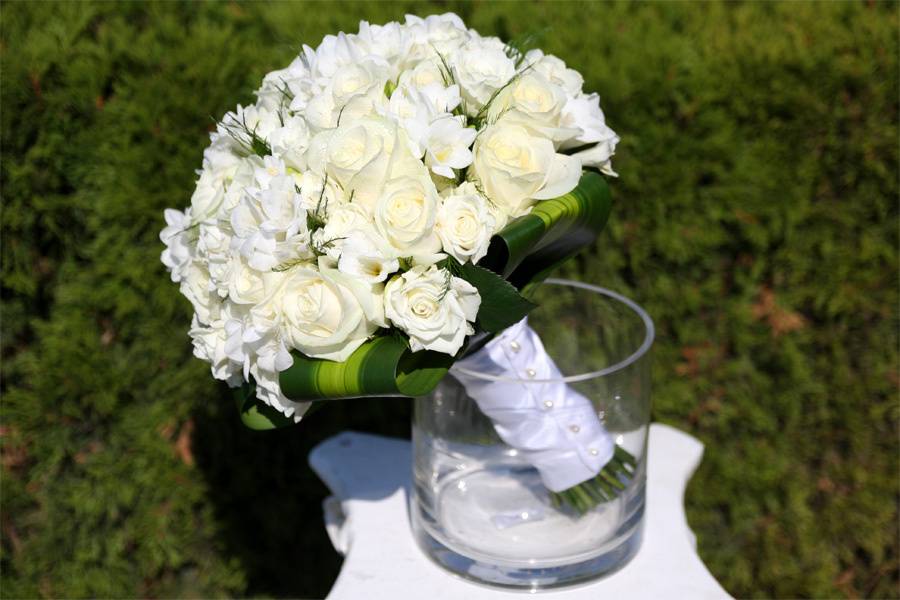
x=256, y=414
x=501, y=303
x=383, y=366
x=528, y=248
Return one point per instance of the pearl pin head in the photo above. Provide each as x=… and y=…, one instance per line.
x=594, y=451
x=548, y=403
x=531, y=373
x=515, y=346
x=574, y=428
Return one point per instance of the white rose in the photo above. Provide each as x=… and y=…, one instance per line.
x=405, y=215
x=555, y=70
x=432, y=307
x=245, y=285
x=535, y=103
x=357, y=156
x=515, y=166
x=465, y=224
x=207, y=196
x=436, y=33
x=343, y=219
x=481, y=68
x=425, y=73
x=390, y=41
x=326, y=314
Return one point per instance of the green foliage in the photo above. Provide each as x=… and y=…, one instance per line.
x=755, y=218
x=501, y=304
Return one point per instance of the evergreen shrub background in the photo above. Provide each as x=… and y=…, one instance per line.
x=756, y=219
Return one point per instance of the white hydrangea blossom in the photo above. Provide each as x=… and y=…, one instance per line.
x=321, y=210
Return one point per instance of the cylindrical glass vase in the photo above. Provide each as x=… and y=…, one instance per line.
x=481, y=509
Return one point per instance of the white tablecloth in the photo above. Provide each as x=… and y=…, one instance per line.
x=368, y=522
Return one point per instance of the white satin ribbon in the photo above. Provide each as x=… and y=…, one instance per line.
x=553, y=427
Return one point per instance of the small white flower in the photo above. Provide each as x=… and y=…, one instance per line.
x=209, y=345
x=179, y=240
x=366, y=256
x=465, y=224
x=195, y=286
x=585, y=113
x=448, y=146
x=434, y=308
x=290, y=142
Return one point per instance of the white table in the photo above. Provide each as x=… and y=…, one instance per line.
x=368, y=523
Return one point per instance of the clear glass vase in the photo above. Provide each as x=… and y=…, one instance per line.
x=481, y=508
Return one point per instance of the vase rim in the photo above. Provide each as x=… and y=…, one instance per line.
x=643, y=348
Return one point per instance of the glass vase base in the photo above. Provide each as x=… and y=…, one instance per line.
x=497, y=526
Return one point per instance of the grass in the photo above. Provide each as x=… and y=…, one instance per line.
x=755, y=218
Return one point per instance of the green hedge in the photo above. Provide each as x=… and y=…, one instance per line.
x=755, y=217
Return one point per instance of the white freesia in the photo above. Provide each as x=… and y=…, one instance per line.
x=269, y=224
x=434, y=308
x=367, y=256
x=515, y=166
x=465, y=224
x=447, y=145
x=585, y=112
x=290, y=142
x=327, y=314
x=197, y=288
x=209, y=345
x=178, y=238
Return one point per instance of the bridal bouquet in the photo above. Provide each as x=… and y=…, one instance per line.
x=382, y=209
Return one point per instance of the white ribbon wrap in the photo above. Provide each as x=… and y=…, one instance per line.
x=554, y=428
